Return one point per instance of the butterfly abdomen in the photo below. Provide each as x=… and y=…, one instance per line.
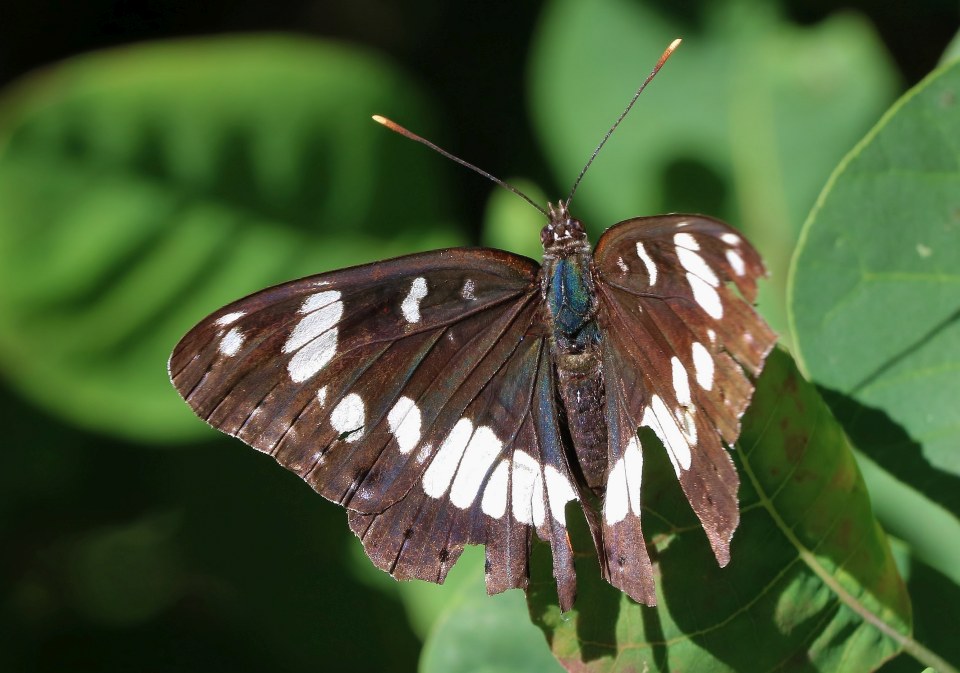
x=583, y=397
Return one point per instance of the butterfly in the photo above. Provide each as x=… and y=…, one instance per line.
x=468, y=396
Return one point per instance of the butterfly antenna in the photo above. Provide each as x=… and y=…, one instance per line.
x=393, y=126
x=663, y=59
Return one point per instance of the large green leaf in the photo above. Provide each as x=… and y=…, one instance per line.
x=812, y=584
x=875, y=302
x=141, y=188
x=477, y=633
x=745, y=122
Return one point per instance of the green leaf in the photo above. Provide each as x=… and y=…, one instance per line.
x=745, y=122
x=952, y=51
x=141, y=188
x=812, y=584
x=936, y=608
x=875, y=301
x=477, y=633
x=511, y=224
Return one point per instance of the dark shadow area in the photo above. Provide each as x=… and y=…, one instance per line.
x=888, y=444
x=120, y=557
x=691, y=186
x=598, y=604
x=936, y=614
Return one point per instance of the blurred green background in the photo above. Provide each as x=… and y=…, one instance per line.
x=144, y=186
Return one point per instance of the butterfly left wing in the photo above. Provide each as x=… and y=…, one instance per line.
x=409, y=391
x=676, y=340
x=523, y=477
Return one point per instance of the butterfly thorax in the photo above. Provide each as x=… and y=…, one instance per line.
x=571, y=300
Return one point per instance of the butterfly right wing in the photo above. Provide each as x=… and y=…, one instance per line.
x=677, y=338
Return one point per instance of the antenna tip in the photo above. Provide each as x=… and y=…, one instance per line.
x=674, y=44
x=392, y=125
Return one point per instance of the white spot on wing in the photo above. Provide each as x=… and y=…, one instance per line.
x=229, y=318
x=730, y=239
x=658, y=418
x=494, y=501
x=314, y=338
x=349, y=416
x=647, y=262
x=526, y=474
x=706, y=296
x=712, y=336
x=623, y=484
x=231, y=342
x=322, y=396
x=437, y=478
x=736, y=262
x=623, y=265
x=411, y=303
x=633, y=467
x=404, y=420
x=686, y=241
x=615, y=501
x=559, y=493
x=696, y=265
x=467, y=291
x=703, y=364
x=313, y=357
x=483, y=449
x=319, y=300
x=681, y=382
x=326, y=309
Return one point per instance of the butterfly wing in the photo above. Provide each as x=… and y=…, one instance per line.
x=407, y=391
x=676, y=342
x=515, y=459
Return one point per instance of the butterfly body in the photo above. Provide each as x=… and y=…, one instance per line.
x=468, y=396
x=571, y=299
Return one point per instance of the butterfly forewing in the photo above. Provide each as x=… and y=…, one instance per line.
x=676, y=337
x=341, y=359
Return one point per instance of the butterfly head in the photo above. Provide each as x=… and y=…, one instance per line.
x=563, y=236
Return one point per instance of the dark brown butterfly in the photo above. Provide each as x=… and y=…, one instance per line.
x=466, y=396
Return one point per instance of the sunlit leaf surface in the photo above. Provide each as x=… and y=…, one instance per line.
x=876, y=295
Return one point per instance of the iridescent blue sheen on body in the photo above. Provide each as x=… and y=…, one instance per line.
x=571, y=304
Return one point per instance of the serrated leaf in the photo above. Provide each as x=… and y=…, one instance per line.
x=142, y=188
x=812, y=584
x=875, y=290
x=745, y=122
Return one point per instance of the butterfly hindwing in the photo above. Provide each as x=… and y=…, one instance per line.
x=676, y=339
x=507, y=458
